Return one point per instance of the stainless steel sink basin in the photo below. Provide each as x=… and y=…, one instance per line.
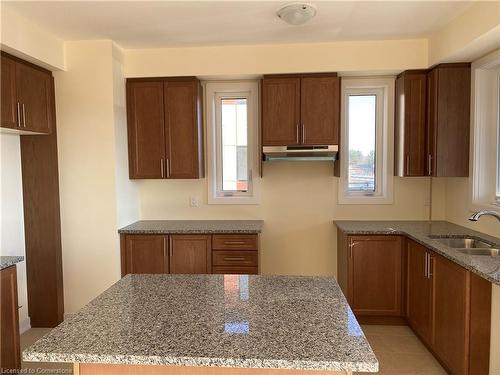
x=490, y=252
x=462, y=243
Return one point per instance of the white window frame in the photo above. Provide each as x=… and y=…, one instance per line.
x=214, y=92
x=485, y=133
x=383, y=88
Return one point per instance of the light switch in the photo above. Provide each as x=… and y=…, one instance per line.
x=194, y=201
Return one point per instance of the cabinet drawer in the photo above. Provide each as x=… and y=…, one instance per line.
x=234, y=258
x=234, y=241
x=228, y=270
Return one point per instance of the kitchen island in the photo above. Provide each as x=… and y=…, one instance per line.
x=212, y=324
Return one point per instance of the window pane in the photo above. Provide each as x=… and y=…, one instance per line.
x=234, y=144
x=362, y=134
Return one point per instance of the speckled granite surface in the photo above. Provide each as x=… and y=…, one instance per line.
x=487, y=267
x=9, y=260
x=193, y=226
x=277, y=322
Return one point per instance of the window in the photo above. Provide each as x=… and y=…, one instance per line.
x=485, y=145
x=367, y=137
x=232, y=115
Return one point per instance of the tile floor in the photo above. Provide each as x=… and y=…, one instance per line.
x=398, y=350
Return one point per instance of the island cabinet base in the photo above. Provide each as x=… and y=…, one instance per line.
x=105, y=369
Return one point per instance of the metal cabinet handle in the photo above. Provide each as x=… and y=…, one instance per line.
x=162, y=167
x=351, y=245
x=303, y=133
x=297, y=136
x=164, y=246
x=407, y=164
x=18, y=114
x=170, y=247
x=234, y=258
x=430, y=266
x=234, y=242
x=426, y=266
x=24, y=116
x=429, y=164
x=168, y=168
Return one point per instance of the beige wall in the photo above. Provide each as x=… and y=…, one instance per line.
x=298, y=206
x=469, y=36
x=28, y=41
x=84, y=106
x=358, y=56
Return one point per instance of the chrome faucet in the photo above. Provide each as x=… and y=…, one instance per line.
x=478, y=214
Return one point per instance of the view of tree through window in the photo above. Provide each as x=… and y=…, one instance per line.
x=234, y=144
x=362, y=141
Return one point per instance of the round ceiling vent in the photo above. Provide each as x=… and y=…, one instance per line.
x=297, y=14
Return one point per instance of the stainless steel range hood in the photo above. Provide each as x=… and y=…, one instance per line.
x=327, y=152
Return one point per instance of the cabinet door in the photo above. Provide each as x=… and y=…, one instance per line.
x=190, y=254
x=320, y=110
x=146, y=254
x=415, y=93
x=280, y=111
x=451, y=298
x=146, y=130
x=419, y=296
x=375, y=275
x=35, y=94
x=449, y=121
x=10, y=354
x=9, y=109
x=183, y=129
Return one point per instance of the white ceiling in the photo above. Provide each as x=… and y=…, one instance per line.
x=144, y=24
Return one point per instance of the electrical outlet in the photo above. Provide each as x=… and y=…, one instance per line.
x=194, y=201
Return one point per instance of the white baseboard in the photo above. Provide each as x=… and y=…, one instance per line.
x=24, y=325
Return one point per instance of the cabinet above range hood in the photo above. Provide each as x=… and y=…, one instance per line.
x=301, y=152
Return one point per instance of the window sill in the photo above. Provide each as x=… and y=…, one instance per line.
x=360, y=200
x=235, y=200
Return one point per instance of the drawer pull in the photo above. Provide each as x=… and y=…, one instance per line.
x=234, y=242
x=234, y=258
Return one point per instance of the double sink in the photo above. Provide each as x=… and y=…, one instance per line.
x=467, y=245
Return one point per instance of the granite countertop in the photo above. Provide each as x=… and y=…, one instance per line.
x=9, y=260
x=246, y=321
x=193, y=226
x=485, y=266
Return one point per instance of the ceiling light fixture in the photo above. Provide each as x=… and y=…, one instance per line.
x=296, y=14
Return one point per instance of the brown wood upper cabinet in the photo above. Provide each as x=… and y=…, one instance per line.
x=300, y=110
x=10, y=353
x=448, y=125
x=27, y=96
x=164, y=128
x=433, y=122
x=410, y=128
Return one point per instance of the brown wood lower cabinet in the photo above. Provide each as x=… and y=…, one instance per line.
x=374, y=286
x=447, y=306
x=10, y=354
x=419, y=296
x=451, y=306
x=189, y=254
x=145, y=254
